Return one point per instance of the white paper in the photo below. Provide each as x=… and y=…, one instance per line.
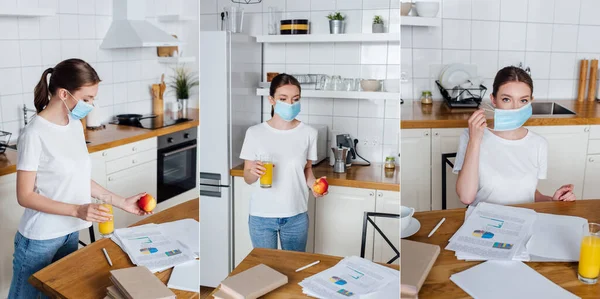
x=494, y=232
x=186, y=277
x=186, y=231
x=352, y=276
x=557, y=237
x=507, y=279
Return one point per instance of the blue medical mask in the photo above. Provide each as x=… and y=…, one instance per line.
x=287, y=111
x=80, y=110
x=511, y=119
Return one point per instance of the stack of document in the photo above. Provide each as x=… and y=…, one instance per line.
x=148, y=245
x=353, y=277
x=137, y=283
x=252, y=283
x=496, y=232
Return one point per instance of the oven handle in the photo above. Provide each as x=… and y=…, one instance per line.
x=180, y=150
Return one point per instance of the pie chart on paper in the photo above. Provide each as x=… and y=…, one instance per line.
x=149, y=250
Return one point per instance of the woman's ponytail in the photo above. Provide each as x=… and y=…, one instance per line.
x=42, y=92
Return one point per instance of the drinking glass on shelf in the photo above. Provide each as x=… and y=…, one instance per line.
x=266, y=180
x=106, y=228
x=589, y=254
x=321, y=82
x=337, y=83
x=349, y=84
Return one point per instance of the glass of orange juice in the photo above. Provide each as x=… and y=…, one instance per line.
x=266, y=180
x=106, y=228
x=589, y=255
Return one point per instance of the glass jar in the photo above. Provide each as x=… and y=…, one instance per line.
x=426, y=97
x=390, y=162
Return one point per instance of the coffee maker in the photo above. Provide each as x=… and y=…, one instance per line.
x=344, y=140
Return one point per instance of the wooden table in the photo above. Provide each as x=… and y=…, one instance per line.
x=85, y=273
x=438, y=284
x=287, y=262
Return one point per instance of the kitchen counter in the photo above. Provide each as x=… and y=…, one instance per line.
x=111, y=136
x=366, y=177
x=414, y=115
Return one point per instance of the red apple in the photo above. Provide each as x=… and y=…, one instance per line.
x=147, y=203
x=321, y=185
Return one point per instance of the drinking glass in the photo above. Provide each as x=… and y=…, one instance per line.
x=266, y=180
x=589, y=255
x=337, y=83
x=349, y=84
x=106, y=228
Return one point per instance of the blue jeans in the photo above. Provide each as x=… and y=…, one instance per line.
x=32, y=256
x=293, y=232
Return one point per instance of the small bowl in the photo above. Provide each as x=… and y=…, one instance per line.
x=427, y=9
x=370, y=85
x=405, y=8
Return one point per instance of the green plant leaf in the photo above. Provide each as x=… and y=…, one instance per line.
x=183, y=81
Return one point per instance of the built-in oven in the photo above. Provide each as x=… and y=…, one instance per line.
x=177, y=163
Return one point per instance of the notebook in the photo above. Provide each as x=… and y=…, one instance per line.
x=140, y=283
x=253, y=282
x=113, y=293
x=186, y=277
x=416, y=260
x=220, y=294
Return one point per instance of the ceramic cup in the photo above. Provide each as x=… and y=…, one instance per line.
x=406, y=214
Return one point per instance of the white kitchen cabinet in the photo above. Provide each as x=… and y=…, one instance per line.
x=98, y=168
x=10, y=214
x=339, y=220
x=567, y=149
x=415, y=170
x=443, y=141
x=387, y=202
x=591, y=188
x=241, y=211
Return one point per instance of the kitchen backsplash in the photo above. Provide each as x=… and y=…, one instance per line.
x=549, y=36
x=30, y=45
x=374, y=121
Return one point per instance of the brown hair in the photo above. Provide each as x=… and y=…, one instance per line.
x=281, y=80
x=70, y=74
x=511, y=74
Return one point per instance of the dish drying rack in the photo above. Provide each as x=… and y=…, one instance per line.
x=459, y=97
x=4, y=140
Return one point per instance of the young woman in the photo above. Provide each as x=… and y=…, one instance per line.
x=503, y=165
x=54, y=182
x=281, y=209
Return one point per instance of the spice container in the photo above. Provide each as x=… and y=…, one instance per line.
x=390, y=162
x=426, y=97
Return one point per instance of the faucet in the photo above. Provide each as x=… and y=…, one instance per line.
x=25, y=109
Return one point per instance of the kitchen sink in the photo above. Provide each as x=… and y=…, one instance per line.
x=549, y=108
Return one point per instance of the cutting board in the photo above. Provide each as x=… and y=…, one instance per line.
x=416, y=261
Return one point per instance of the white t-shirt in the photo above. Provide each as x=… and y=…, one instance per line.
x=290, y=150
x=60, y=157
x=508, y=169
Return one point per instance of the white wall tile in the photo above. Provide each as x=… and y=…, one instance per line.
x=297, y=68
x=406, y=37
x=375, y=53
x=293, y=5
x=371, y=130
x=10, y=54
x=274, y=53
x=10, y=28
x=345, y=107
x=393, y=25
x=120, y=72
x=10, y=81
x=486, y=62
x=69, y=27
x=328, y=5
x=539, y=62
x=31, y=53
x=349, y=4
x=456, y=9
x=51, y=54
x=392, y=109
x=297, y=53
x=456, y=34
x=508, y=58
x=347, y=53
x=134, y=71
x=87, y=27
x=208, y=7
x=378, y=72
x=321, y=106
x=69, y=49
x=541, y=11
x=347, y=125
x=540, y=89
x=422, y=59
x=88, y=50
x=427, y=38
x=322, y=53
x=562, y=89
x=566, y=12
x=563, y=66
x=391, y=131
x=394, y=53
x=134, y=53
x=30, y=76
x=513, y=10
x=318, y=23
x=104, y=8
x=120, y=93
x=486, y=10
x=420, y=85
x=375, y=4
x=12, y=107
x=102, y=26
x=588, y=39
x=455, y=56
x=564, y=38
x=29, y=28
x=589, y=12
x=86, y=7
x=513, y=36
x=49, y=27
x=353, y=22
x=133, y=91
x=327, y=69
x=68, y=7
x=347, y=71
x=539, y=37
x=484, y=35
x=210, y=23
x=371, y=108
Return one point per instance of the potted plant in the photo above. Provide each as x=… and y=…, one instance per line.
x=336, y=23
x=378, y=24
x=182, y=83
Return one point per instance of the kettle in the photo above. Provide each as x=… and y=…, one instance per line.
x=340, y=154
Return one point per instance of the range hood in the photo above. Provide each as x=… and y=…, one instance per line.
x=129, y=28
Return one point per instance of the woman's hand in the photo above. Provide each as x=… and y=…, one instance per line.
x=130, y=205
x=257, y=168
x=477, y=125
x=93, y=212
x=316, y=194
x=564, y=193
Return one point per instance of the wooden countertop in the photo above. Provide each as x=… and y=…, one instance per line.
x=286, y=262
x=438, y=284
x=367, y=177
x=414, y=115
x=112, y=136
x=85, y=273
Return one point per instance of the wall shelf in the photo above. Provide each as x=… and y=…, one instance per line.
x=174, y=18
x=330, y=38
x=27, y=12
x=372, y=95
x=420, y=21
x=176, y=60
